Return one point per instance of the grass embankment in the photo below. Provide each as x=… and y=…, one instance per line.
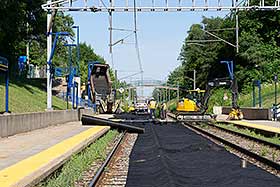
x=246, y=99
x=28, y=96
x=267, y=94
x=275, y=139
x=73, y=169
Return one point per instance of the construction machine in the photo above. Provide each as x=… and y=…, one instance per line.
x=100, y=88
x=195, y=108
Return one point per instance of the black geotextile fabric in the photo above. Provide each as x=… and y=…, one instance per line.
x=172, y=155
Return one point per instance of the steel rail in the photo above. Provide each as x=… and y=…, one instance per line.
x=257, y=157
x=106, y=162
x=264, y=160
x=277, y=146
x=265, y=142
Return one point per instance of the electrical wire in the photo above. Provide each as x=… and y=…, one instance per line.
x=137, y=45
x=110, y=18
x=136, y=38
x=132, y=75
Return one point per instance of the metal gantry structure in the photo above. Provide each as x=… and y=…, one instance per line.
x=110, y=6
x=159, y=5
x=162, y=88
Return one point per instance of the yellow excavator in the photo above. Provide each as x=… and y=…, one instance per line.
x=189, y=104
x=195, y=108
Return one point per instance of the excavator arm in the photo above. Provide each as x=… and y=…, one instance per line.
x=189, y=110
x=217, y=82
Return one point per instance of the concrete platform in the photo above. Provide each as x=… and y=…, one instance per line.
x=264, y=125
x=26, y=158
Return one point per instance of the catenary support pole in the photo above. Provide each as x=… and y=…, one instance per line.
x=237, y=31
x=194, y=79
x=49, y=48
x=178, y=91
x=166, y=93
x=169, y=94
x=78, y=49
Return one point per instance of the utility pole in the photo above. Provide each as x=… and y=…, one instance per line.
x=166, y=93
x=116, y=81
x=49, y=48
x=78, y=48
x=169, y=94
x=237, y=31
x=178, y=96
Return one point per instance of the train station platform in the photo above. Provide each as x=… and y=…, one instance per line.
x=263, y=125
x=26, y=158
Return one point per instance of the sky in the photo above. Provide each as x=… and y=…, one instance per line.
x=160, y=35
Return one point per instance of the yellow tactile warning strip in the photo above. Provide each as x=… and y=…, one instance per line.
x=27, y=171
x=255, y=126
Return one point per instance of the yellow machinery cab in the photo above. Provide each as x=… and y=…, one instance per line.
x=131, y=108
x=189, y=105
x=186, y=105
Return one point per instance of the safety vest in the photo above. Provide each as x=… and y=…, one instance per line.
x=153, y=104
x=164, y=107
x=131, y=108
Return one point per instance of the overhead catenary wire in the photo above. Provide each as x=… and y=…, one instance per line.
x=111, y=44
x=111, y=35
x=137, y=44
x=110, y=18
x=137, y=73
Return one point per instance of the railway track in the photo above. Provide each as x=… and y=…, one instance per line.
x=245, y=152
x=264, y=142
x=114, y=170
x=257, y=151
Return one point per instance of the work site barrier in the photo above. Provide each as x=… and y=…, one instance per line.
x=252, y=113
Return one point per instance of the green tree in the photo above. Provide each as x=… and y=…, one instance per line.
x=258, y=56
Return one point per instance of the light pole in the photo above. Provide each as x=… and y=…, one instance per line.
x=49, y=48
x=78, y=48
x=193, y=79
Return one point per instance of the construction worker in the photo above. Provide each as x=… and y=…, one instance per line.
x=83, y=90
x=131, y=108
x=152, y=106
x=163, y=110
